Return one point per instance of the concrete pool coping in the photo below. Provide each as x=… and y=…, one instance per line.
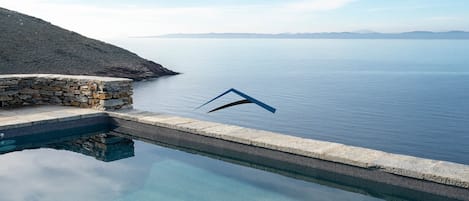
x=366, y=163
x=35, y=115
x=443, y=172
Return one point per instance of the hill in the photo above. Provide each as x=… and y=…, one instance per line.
x=31, y=45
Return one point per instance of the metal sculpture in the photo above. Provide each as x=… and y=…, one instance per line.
x=248, y=99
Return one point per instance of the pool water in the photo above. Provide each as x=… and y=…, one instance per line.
x=109, y=168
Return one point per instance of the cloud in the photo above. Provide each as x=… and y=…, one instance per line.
x=46, y=174
x=115, y=20
x=118, y=20
x=319, y=5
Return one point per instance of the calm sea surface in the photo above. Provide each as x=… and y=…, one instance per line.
x=401, y=96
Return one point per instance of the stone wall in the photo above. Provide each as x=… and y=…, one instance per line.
x=102, y=93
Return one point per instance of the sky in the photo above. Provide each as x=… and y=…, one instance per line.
x=105, y=19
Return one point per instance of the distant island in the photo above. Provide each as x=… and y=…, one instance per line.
x=31, y=45
x=452, y=35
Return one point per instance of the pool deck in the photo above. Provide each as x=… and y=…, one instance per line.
x=35, y=115
x=374, y=161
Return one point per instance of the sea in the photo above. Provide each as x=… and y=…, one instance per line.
x=400, y=96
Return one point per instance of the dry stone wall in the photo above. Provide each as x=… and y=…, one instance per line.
x=102, y=93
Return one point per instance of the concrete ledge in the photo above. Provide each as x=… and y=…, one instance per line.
x=43, y=115
x=439, y=172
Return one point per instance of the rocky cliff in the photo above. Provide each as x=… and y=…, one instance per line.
x=31, y=45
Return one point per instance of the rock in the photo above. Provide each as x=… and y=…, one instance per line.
x=40, y=47
x=112, y=103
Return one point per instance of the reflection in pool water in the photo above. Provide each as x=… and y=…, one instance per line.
x=63, y=170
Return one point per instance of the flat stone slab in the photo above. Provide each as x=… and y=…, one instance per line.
x=58, y=76
x=27, y=116
x=442, y=172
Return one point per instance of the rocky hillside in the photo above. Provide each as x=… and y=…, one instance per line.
x=31, y=45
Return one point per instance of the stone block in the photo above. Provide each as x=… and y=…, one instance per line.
x=47, y=93
x=9, y=93
x=55, y=100
x=111, y=102
x=25, y=97
x=104, y=96
x=69, y=94
x=449, y=173
x=9, y=82
x=28, y=91
x=81, y=99
x=5, y=98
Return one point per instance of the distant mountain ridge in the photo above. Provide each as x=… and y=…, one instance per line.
x=31, y=45
x=453, y=35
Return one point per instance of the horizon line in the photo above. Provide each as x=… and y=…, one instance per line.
x=360, y=33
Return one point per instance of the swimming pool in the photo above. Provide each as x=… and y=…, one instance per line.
x=97, y=165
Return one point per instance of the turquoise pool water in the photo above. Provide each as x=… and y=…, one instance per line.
x=109, y=168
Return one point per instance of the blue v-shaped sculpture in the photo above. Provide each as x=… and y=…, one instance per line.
x=248, y=99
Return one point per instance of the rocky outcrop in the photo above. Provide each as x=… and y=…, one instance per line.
x=31, y=45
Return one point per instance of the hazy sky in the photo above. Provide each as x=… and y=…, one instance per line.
x=122, y=18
